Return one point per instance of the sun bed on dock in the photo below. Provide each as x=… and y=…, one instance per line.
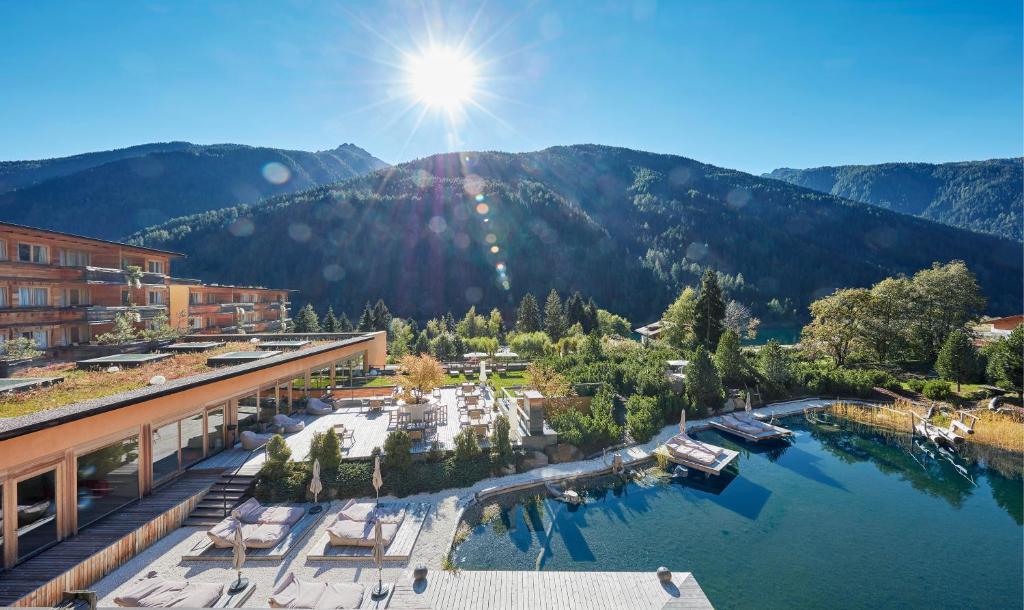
x=748, y=428
x=686, y=451
x=153, y=591
x=350, y=536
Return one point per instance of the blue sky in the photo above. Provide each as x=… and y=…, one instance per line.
x=749, y=85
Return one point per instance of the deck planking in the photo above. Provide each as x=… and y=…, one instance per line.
x=400, y=548
x=515, y=590
x=206, y=551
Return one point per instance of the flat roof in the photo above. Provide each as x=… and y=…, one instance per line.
x=185, y=281
x=197, y=346
x=286, y=344
x=95, y=239
x=14, y=384
x=24, y=424
x=122, y=359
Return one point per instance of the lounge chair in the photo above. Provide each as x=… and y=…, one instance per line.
x=252, y=512
x=156, y=592
x=288, y=424
x=345, y=532
x=686, y=448
x=291, y=592
x=317, y=407
x=254, y=535
x=369, y=511
x=251, y=440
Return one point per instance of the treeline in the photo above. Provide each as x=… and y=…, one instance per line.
x=531, y=332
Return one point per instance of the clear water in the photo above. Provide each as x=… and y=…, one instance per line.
x=786, y=335
x=843, y=518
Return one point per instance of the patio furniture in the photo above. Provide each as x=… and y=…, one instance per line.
x=375, y=404
x=251, y=511
x=293, y=593
x=317, y=407
x=287, y=424
x=255, y=535
x=251, y=440
x=154, y=591
x=344, y=434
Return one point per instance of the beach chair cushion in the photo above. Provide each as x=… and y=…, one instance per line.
x=251, y=440
x=294, y=593
x=156, y=592
x=359, y=533
x=366, y=511
x=251, y=511
x=255, y=536
x=689, y=449
x=315, y=406
x=288, y=424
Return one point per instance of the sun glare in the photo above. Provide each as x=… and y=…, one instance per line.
x=442, y=78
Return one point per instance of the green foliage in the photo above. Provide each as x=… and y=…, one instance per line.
x=530, y=345
x=443, y=347
x=528, y=315
x=826, y=381
x=279, y=455
x=728, y=359
x=307, y=320
x=916, y=385
x=773, y=364
x=161, y=329
x=326, y=447
x=703, y=385
x=422, y=345
x=678, y=320
x=397, y=451
x=709, y=312
x=466, y=447
x=554, y=316
x=19, y=348
x=123, y=330
x=486, y=345
x=610, y=324
x=958, y=359
x=589, y=431
x=936, y=390
x=501, y=443
x=643, y=417
x=975, y=195
x=331, y=323
x=1005, y=367
x=472, y=325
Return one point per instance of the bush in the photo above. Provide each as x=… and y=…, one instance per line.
x=588, y=431
x=937, y=390
x=828, y=381
x=916, y=385
x=326, y=447
x=466, y=447
x=278, y=457
x=354, y=480
x=643, y=417
x=397, y=451
x=501, y=444
x=288, y=485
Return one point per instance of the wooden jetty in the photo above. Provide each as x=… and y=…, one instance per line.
x=693, y=454
x=748, y=428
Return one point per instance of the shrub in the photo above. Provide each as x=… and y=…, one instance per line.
x=936, y=390
x=278, y=456
x=916, y=385
x=397, y=451
x=287, y=485
x=588, y=431
x=643, y=418
x=466, y=447
x=326, y=447
x=354, y=479
x=501, y=444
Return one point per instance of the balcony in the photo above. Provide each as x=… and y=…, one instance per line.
x=101, y=275
x=100, y=314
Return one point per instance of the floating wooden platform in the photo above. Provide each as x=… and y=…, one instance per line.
x=400, y=548
x=206, y=551
x=725, y=457
x=769, y=433
x=471, y=590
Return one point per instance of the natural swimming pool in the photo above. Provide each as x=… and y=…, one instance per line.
x=844, y=518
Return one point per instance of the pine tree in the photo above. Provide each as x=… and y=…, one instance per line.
x=331, y=324
x=1006, y=362
x=773, y=364
x=709, y=312
x=449, y=322
x=366, y=319
x=381, y=316
x=554, y=316
x=575, y=310
x=528, y=315
x=344, y=324
x=307, y=320
x=590, y=321
x=958, y=358
x=703, y=386
x=422, y=344
x=728, y=358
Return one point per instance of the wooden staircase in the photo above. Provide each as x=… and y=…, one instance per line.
x=226, y=493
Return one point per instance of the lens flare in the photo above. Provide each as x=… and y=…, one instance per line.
x=442, y=78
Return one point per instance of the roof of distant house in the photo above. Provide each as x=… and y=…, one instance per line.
x=94, y=239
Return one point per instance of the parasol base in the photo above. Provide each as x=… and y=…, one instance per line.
x=379, y=592
x=238, y=586
x=315, y=509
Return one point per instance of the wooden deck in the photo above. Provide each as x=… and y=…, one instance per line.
x=371, y=429
x=549, y=591
x=400, y=548
x=79, y=561
x=205, y=551
x=769, y=433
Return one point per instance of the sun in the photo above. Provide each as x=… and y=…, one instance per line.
x=442, y=78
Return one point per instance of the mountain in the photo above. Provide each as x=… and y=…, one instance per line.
x=986, y=196
x=114, y=193
x=626, y=227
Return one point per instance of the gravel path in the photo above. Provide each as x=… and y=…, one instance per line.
x=164, y=557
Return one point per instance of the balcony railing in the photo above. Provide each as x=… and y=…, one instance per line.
x=102, y=275
x=104, y=313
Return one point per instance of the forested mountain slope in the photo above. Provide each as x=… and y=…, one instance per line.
x=985, y=196
x=626, y=227
x=114, y=198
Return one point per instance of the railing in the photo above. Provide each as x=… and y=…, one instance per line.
x=234, y=474
x=105, y=313
x=103, y=275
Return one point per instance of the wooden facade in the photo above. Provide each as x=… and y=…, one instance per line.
x=214, y=308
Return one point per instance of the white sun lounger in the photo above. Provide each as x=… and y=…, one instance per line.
x=156, y=592
x=294, y=593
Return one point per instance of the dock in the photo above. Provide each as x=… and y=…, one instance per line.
x=753, y=430
x=722, y=456
x=472, y=590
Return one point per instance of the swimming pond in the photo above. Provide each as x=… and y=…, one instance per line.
x=844, y=517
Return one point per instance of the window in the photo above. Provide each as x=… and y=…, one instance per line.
x=126, y=298
x=248, y=414
x=36, y=521
x=155, y=297
x=4, y=299
x=214, y=430
x=194, y=298
x=192, y=435
x=155, y=266
x=40, y=337
x=74, y=297
x=196, y=323
x=165, y=451
x=74, y=258
x=33, y=297
x=31, y=253
x=108, y=479
x=3, y=257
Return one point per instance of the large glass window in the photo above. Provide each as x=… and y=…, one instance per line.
x=192, y=434
x=37, y=513
x=215, y=430
x=33, y=297
x=248, y=414
x=165, y=451
x=108, y=478
x=30, y=253
x=74, y=258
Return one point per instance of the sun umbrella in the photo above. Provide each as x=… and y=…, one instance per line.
x=238, y=556
x=747, y=407
x=315, y=486
x=378, y=559
x=378, y=481
x=472, y=355
x=682, y=420
x=506, y=355
x=483, y=371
